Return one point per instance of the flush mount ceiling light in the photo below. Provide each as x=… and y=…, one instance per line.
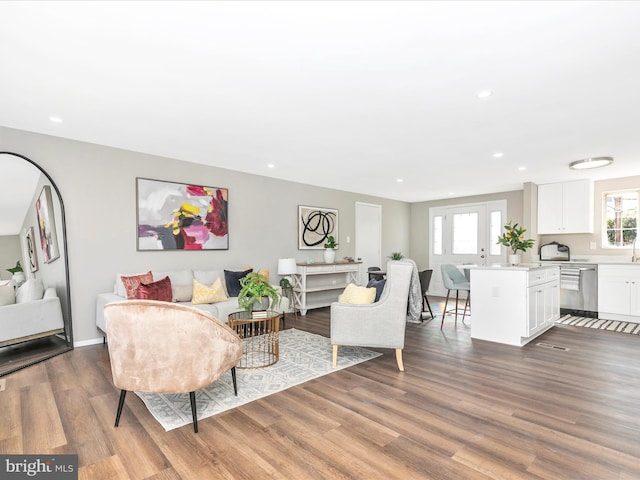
x=594, y=162
x=484, y=93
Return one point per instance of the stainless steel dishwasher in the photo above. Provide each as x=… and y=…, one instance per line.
x=578, y=281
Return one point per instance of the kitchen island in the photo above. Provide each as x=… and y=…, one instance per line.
x=514, y=304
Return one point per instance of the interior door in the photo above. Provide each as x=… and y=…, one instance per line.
x=368, y=237
x=464, y=234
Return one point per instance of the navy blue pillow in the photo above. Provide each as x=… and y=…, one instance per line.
x=378, y=285
x=232, y=279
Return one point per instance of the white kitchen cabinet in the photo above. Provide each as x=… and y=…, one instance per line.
x=513, y=305
x=619, y=292
x=565, y=207
x=319, y=284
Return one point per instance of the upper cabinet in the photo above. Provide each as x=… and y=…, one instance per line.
x=565, y=207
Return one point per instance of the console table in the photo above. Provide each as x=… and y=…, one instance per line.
x=318, y=285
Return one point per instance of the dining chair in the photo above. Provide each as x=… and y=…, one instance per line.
x=425, y=280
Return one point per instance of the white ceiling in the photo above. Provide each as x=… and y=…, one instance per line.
x=347, y=95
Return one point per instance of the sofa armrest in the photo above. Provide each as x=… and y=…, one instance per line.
x=26, y=319
x=101, y=301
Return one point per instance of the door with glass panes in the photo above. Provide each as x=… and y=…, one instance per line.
x=464, y=235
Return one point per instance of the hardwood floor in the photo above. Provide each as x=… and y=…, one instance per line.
x=462, y=410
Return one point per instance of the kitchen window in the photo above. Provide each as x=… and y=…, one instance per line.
x=621, y=219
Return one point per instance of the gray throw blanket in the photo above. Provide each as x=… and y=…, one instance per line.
x=414, y=307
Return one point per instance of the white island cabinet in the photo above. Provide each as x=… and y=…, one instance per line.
x=514, y=305
x=619, y=292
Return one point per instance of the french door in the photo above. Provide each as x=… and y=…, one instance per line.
x=464, y=234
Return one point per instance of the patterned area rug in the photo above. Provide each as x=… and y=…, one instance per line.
x=612, y=325
x=303, y=357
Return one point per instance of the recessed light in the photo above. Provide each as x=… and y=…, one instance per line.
x=594, y=162
x=399, y=180
x=498, y=155
x=271, y=165
x=484, y=93
x=522, y=169
x=55, y=119
x=450, y=193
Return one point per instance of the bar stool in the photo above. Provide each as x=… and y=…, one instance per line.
x=453, y=279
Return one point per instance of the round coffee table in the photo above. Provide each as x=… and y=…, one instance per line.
x=259, y=334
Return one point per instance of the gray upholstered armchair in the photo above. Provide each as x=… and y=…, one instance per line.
x=381, y=324
x=162, y=347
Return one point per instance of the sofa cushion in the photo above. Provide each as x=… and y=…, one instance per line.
x=232, y=280
x=357, y=295
x=30, y=290
x=209, y=276
x=182, y=293
x=160, y=290
x=204, y=294
x=131, y=283
x=177, y=277
x=378, y=285
x=7, y=293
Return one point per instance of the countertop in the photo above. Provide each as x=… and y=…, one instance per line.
x=505, y=266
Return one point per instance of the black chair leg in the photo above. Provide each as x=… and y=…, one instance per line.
x=123, y=393
x=426, y=301
x=192, y=397
x=235, y=383
x=444, y=311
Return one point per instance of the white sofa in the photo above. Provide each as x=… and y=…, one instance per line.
x=220, y=310
x=37, y=313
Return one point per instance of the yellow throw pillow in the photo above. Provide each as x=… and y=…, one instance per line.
x=357, y=295
x=203, y=294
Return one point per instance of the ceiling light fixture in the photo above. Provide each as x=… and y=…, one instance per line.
x=399, y=180
x=593, y=162
x=522, y=169
x=55, y=119
x=484, y=93
x=498, y=155
x=271, y=165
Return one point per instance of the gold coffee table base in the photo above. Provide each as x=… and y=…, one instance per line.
x=260, y=343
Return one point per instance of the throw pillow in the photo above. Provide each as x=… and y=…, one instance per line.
x=182, y=293
x=203, y=294
x=30, y=290
x=7, y=293
x=264, y=272
x=378, y=285
x=356, y=295
x=160, y=290
x=232, y=280
x=131, y=283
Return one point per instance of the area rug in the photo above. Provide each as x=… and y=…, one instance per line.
x=303, y=357
x=611, y=325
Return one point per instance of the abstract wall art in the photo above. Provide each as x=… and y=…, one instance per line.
x=47, y=225
x=180, y=216
x=315, y=224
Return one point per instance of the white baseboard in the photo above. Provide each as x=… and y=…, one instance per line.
x=84, y=343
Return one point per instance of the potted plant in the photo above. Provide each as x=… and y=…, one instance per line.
x=513, y=237
x=329, y=249
x=396, y=256
x=17, y=274
x=257, y=293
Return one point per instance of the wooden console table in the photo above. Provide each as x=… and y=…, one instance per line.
x=318, y=285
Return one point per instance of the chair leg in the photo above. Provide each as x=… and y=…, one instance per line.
x=123, y=393
x=235, y=383
x=444, y=311
x=192, y=397
x=399, y=359
x=335, y=356
x=426, y=300
x=467, y=306
x=456, y=310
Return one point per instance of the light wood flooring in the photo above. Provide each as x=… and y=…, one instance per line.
x=462, y=410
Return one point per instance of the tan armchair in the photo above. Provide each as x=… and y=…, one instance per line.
x=162, y=347
x=381, y=324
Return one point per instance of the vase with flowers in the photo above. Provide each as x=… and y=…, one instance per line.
x=513, y=238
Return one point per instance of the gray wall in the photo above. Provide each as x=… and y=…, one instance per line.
x=9, y=254
x=97, y=184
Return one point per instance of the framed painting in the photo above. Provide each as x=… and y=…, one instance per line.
x=47, y=225
x=30, y=249
x=181, y=216
x=315, y=224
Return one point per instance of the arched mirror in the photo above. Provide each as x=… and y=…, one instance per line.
x=35, y=307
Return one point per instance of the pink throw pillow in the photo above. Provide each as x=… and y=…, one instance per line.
x=131, y=283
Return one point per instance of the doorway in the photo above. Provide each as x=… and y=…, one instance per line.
x=464, y=234
x=368, y=238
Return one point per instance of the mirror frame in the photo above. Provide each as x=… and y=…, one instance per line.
x=68, y=324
